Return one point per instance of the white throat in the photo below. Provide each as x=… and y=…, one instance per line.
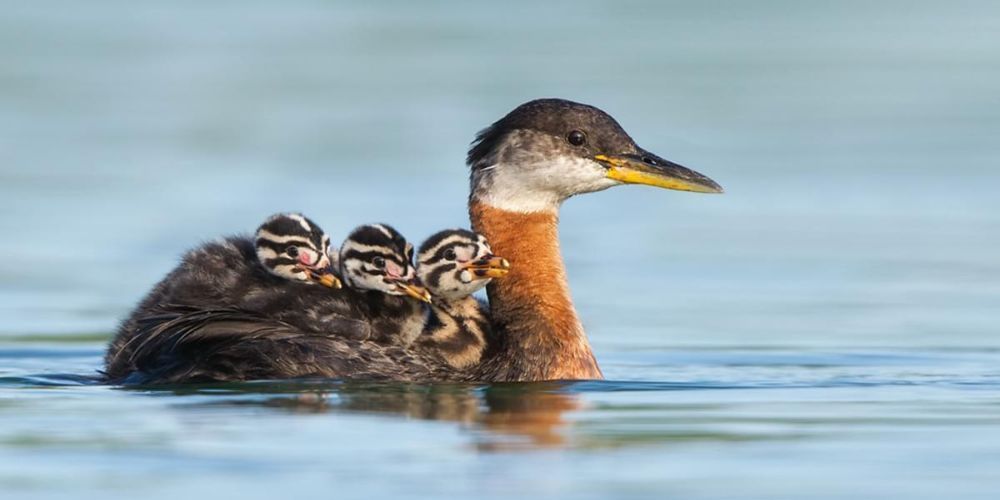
x=514, y=198
x=539, y=186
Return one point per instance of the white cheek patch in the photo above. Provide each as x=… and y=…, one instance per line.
x=541, y=184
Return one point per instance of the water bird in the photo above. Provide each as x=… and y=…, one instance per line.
x=268, y=278
x=291, y=246
x=523, y=167
x=377, y=261
x=263, y=274
x=454, y=264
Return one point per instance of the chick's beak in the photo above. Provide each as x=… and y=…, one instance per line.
x=488, y=267
x=325, y=278
x=646, y=168
x=320, y=271
x=413, y=289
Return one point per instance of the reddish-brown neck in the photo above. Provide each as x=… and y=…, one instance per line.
x=539, y=336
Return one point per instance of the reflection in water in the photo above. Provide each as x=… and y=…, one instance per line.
x=526, y=416
x=502, y=416
x=536, y=415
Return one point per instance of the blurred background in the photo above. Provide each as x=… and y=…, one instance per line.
x=857, y=142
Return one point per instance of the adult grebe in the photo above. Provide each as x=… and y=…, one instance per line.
x=523, y=167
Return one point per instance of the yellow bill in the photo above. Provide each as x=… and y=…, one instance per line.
x=326, y=279
x=651, y=170
x=414, y=290
x=490, y=266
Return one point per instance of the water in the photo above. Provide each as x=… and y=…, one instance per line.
x=828, y=328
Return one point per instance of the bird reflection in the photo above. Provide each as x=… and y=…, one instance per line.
x=536, y=417
x=501, y=417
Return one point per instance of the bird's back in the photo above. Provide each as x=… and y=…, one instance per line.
x=210, y=276
x=232, y=345
x=219, y=315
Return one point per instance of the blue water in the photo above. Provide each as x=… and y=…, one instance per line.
x=825, y=329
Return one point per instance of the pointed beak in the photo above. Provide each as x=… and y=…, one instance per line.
x=321, y=271
x=325, y=278
x=413, y=289
x=488, y=267
x=646, y=168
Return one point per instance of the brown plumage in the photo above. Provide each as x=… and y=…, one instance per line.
x=537, y=333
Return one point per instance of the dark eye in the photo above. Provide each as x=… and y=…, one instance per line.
x=292, y=251
x=450, y=254
x=576, y=138
x=378, y=262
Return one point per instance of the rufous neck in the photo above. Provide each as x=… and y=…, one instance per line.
x=540, y=335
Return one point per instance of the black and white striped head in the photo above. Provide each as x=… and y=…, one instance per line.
x=376, y=257
x=455, y=263
x=292, y=246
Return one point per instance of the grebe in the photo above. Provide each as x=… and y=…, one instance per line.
x=378, y=262
x=270, y=277
x=522, y=168
x=268, y=274
x=293, y=247
x=454, y=264
x=375, y=263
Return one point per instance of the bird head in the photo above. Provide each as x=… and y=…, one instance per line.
x=456, y=263
x=376, y=257
x=547, y=150
x=293, y=247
